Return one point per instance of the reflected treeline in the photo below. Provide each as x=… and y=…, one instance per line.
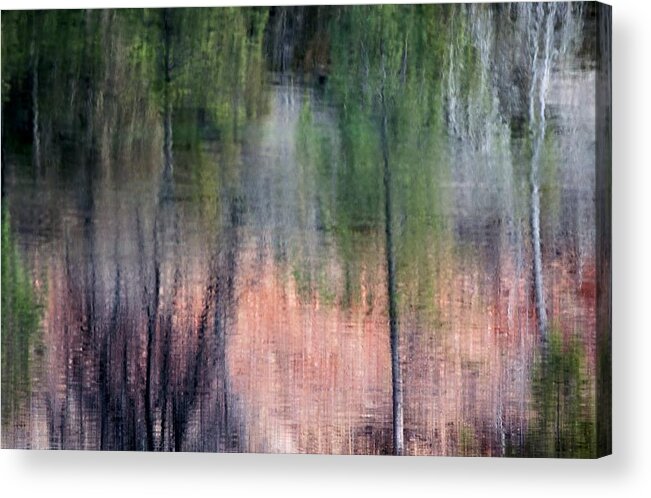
x=121, y=94
x=364, y=229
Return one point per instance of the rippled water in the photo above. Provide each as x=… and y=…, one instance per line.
x=203, y=297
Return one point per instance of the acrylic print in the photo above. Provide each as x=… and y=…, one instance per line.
x=359, y=230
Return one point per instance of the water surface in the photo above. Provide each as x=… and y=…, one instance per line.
x=204, y=240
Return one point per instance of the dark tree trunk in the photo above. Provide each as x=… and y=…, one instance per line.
x=396, y=373
x=152, y=315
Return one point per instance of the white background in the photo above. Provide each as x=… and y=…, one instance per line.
x=626, y=473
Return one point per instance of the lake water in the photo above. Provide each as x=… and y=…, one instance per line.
x=207, y=292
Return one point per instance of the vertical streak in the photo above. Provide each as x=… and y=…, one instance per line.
x=167, y=127
x=396, y=374
x=537, y=125
x=35, y=109
x=151, y=327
